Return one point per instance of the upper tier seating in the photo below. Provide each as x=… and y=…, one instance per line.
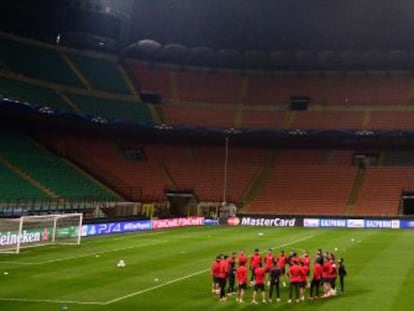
x=112, y=109
x=272, y=90
x=391, y=120
x=263, y=119
x=37, y=62
x=198, y=116
x=326, y=120
x=226, y=88
x=154, y=80
x=370, y=90
x=31, y=93
x=102, y=73
x=222, y=88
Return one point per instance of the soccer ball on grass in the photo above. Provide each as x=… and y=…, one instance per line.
x=121, y=264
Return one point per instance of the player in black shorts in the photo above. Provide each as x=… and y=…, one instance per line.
x=231, y=274
x=275, y=274
x=342, y=273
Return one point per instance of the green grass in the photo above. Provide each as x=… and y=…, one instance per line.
x=380, y=264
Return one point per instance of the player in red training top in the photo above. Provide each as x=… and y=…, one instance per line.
x=306, y=259
x=281, y=263
x=317, y=278
x=294, y=275
x=260, y=274
x=242, y=258
x=241, y=275
x=332, y=276
x=269, y=262
x=215, y=273
x=255, y=261
x=326, y=270
x=304, y=270
x=224, y=268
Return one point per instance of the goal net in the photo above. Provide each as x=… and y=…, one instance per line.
x=30, y=231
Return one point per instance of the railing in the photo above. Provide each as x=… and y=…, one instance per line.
x=14, y=207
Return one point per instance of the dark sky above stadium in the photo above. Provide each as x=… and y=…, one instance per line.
x=250, y=24
x=278, y=24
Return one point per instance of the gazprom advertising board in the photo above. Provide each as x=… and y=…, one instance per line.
x=357, y=223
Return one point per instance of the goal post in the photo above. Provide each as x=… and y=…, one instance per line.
x=31, y=231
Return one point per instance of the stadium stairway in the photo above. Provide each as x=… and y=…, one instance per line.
x=173, y=85
x=48, y=192
x=128, y=82
x=76, y=71
x=355, y=191
x=170, y=177
x=258, y=181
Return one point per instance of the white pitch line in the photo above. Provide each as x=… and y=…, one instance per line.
x=296, y=241
x=82, y=256
x=53, y=301
x=155, y=287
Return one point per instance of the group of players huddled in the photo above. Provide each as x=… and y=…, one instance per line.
x=273, y=271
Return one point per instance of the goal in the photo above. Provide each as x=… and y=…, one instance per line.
x=30, y=231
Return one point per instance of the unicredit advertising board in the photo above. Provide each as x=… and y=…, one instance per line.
x=177, y=222
x=264, y=221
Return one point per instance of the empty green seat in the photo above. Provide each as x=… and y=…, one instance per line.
x=102, y=74
x=111, y=109
x=31, y=93
x=50, y=170
x=36, y=61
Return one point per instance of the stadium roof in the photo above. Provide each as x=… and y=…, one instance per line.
x=294, y=34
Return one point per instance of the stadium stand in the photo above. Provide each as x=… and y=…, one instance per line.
x=199, y=116
x=391, y=120
x=328, y=120
x=37, y=61
x=52, y=172
x=153, y=80
x=381, y=190
x=305, y=189
x=340, y=157
x=111, y=109
x=372, y=90
x=209, y=186
x=263, y=119
x=101, y=73
x=222, y=88
x=136, y=180
x=279, y=89
x=292, y=157
x=399, y=158
x=31, y=93
x=14, y=187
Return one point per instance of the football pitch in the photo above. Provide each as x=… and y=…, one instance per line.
x=169, y=270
